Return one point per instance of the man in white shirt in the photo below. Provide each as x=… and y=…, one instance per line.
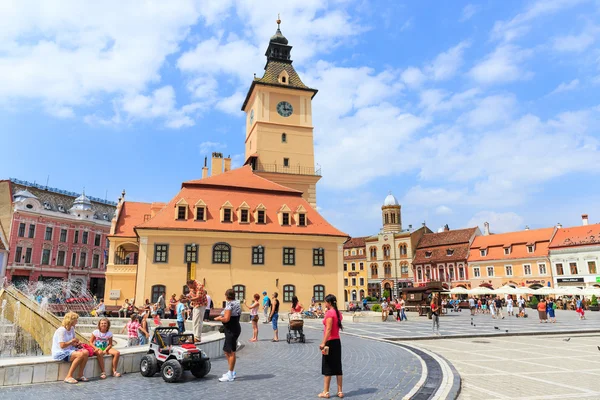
x=472, y=305
x=384, y=310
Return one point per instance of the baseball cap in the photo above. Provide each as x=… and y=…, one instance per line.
x=265, y=292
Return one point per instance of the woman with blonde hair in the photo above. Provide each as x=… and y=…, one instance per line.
x=64, y=348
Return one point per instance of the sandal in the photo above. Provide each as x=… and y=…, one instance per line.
x=83, y=379
x=103, y=375
x=323, y=395
x=340, y=395
x=116, y=374
x=71, y=380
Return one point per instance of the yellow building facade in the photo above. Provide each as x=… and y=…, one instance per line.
x=355, y=270
x=252, y=229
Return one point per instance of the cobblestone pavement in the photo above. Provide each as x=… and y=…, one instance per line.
x=459, y=324
x=266, y=370
x=524, y=367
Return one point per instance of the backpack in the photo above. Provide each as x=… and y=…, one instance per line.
x=268, y=303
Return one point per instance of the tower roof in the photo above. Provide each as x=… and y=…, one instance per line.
x=390, y=200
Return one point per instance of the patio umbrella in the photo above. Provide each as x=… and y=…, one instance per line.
x=506, y=289
x=572, y=291
x=591, y=292
x=545, y=291
x=459, y=290
x=480, y=290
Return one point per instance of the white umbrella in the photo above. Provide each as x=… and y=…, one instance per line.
x=591, y=292
x=506, y=289
x=571, y=291
x=480, y=290
x=545, y=291
x=459, y=290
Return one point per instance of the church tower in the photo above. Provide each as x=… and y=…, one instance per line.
x=279, y=131
x=390, y=214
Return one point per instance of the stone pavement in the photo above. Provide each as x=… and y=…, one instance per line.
x=266, y=370
x=459, y=325
x=524, y=367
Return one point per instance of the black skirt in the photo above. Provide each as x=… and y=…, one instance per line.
x=332, y=363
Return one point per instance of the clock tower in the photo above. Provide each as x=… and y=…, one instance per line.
x=279, y=131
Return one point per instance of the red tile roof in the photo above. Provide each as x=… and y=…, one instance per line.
x=238, y=186
x=355, y=243
x=446, y=238
x=518, y=242
x=131, y=214
x=439, y=243
x=576, y=236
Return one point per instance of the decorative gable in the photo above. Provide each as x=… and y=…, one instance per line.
x=301, y=216
x=200, y=210
x=181, y=209
x=243, y=212
x=284, y=215
x=227, y=212
x=260, y=214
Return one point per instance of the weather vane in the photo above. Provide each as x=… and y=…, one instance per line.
x=278, y=20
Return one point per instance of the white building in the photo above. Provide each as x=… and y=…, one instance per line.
x=575, y=255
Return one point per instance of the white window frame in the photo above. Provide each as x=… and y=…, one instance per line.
x=476, y=272
x=507, y=251
x=506, y=270
x=482, y=252
x=525, y=272
x=562, y=264
x=488, y=270
x=587, y=265
x=540, y=268
x=532, y=247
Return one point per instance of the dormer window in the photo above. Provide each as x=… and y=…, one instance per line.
x=284, y=78
x=284, y=215
x=302, y=220
x=285, y=218
x=428, y=254
x=260, y=214
x=47, y=206
x=181, y=211
x=449, y=252
x=530, y=248
x=105, y=216
x=200, y=207
x=244, y=213
x=300, y=216
x=61, y=208
x=483, y=252
x=506, y=251
x=227, y=212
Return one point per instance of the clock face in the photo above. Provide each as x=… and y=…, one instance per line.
x=251, y=116
x=284, y=109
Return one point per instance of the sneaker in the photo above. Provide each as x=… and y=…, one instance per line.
x=226, y=378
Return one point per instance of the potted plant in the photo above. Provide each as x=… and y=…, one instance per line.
x=594, y=304
x=533, y=303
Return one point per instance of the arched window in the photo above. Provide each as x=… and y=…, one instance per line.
x=374, y=270
x=386, y=251
x=362, y=294
x=240, y=292
x=221, y=253
x=419, y=274
x=283, y=79
x=289, y=291
x=157, y=290
x=345, y=295
x=354, y=295
x=319, y=292
x=387, y=270
x=284, y=137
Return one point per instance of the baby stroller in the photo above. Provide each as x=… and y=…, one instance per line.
x=295, y=325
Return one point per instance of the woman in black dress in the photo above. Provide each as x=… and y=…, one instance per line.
x=231, y=323
x=331, y=347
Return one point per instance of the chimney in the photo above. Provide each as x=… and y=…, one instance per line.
x=486, y=228
x=216, y=164
x=227, y=163
x=446, y=228
x=584, y=219
x=156, y=207
x=205, y=169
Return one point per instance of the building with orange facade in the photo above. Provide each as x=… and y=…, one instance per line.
x=515, y=258
x=355, y=270
x=442, y=257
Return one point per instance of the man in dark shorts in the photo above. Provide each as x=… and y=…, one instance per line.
x=231, y=323
x=498, y=304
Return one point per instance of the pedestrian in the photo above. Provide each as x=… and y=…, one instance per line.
x=402, y=310
x=274, y=317
x=472, y=305
x=509, y=305
x=143, y=330
x=550, y=307
x=198, y=301
x=579, y=307
x=254, y=316
x=364, y=303
x=173, y=306
x=435, y=315
x=521, y=306
x=479, y=310
x=231, y=322
x=132, y=328
x=384, y=310
x=101, y=309
x=397, y=306
x=498, y=305
x=266, y=307
x=209, y=306
x=492, y=308
x=123, y=309
x=160, y=305
x=331, y=347
x=542, y=310
x=180, y=311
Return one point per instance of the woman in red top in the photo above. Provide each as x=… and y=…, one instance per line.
x=435, y=314
x=331, y=347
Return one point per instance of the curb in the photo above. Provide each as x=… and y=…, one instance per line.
x=465, y=336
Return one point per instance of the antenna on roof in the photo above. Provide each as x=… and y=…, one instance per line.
x=205, y=161
x=47, y=179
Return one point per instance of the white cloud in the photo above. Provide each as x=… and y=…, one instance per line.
x=443, y=210
x=231, y=105
x=491, y=110
x=413, y=77
x=160, y=104
x=503, y=65
x=575, y=44
x=433, y=196
x=407, y=25
x=208, y=146
x=468, y=11
x=499, y=222
x=521, y=23
x=446, y=64
x=437, y=100
x=566, y=86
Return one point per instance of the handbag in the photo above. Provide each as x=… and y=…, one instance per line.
x=325, y=351
x=87, y=347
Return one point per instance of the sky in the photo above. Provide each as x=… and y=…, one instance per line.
x=466, y=111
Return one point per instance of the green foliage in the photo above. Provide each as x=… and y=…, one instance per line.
x=369, y=298
x=386, y=294
x=594, y=301
x=534, y=302
x=376, y=308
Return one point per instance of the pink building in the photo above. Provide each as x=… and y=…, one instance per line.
x=56, y=234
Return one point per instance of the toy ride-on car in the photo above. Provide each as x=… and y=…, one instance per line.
x=171, y=353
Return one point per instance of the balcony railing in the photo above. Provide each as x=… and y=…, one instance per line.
x=291, y=169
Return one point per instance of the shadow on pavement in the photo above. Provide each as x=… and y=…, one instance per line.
x=254, y=377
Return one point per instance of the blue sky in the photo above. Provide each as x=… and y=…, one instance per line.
x=467, y=111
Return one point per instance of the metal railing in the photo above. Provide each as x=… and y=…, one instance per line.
x=291, y=169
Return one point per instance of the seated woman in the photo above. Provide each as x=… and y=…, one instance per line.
x=102, y=342
x=64, y=348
